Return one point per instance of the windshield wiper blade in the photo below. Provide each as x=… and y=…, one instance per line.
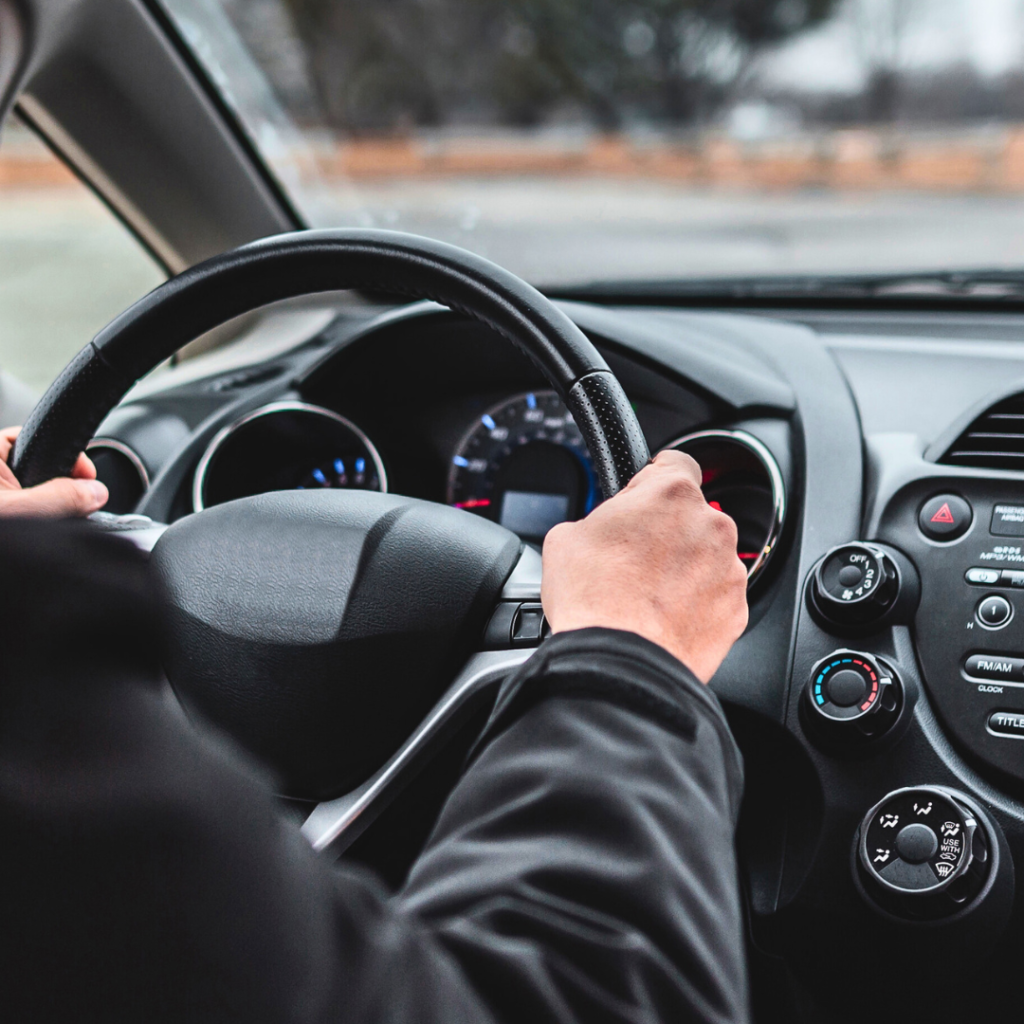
x=944, y=287
x=982, y=284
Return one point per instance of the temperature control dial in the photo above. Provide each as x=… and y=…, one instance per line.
x=855, y=584
x=923, y=852
x=851, y=697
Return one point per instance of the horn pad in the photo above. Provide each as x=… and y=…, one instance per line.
x=318, y=628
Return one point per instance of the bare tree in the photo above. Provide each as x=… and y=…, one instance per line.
x=880, y=29
x=384, y=64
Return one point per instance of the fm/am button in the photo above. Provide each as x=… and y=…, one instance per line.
x=995, y=668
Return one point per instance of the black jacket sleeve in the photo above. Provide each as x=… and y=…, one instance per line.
x=582, y=870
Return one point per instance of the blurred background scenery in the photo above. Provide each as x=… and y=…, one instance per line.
x=580, y=140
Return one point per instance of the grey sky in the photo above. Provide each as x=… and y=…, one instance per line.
x=987, y=33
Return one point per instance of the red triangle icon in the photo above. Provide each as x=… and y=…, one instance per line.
x=943, y=515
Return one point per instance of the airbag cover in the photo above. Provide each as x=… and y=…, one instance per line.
x=318, y=628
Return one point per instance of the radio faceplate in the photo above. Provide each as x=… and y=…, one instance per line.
x=969, y=626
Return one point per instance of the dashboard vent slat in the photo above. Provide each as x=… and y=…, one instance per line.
x=994, y=440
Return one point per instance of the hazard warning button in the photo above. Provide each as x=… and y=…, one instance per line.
x=944, y=517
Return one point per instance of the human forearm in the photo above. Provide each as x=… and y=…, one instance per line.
x=610, y=785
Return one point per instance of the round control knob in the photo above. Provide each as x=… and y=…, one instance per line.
x=855, y=584
x=850, y=697
x=916, y=843
x=994, y=611
x=923, y=852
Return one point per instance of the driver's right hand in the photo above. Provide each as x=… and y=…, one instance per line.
x=78, y=495
x=656, y=560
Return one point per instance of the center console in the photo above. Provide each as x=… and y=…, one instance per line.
x=966, y=538
x=908, y=700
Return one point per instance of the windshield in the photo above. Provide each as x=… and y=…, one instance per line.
x=576, y=141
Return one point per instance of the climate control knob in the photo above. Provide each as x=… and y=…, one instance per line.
x=924, y=852
x=855, y=584
x=851, y=697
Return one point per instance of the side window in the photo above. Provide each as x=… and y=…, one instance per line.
x=67, y=267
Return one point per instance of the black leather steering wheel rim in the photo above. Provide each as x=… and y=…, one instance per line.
x=308, y=262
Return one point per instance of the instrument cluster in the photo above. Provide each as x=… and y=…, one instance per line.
x=522, y=463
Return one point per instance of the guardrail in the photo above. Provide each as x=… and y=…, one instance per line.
x=855, y=159
x=852, y=159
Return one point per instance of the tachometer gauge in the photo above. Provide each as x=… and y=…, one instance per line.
x=524, y=464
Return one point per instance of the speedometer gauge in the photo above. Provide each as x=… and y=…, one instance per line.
x=524, y=464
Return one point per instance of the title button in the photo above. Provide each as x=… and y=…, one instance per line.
x=945, y=517
x=1006, y=723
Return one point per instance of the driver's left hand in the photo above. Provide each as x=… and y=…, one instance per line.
x=78, y=495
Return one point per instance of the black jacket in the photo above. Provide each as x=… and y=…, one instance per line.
x=582, y=870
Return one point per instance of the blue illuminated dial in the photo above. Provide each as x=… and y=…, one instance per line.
x=351, y=471
x=524, y=463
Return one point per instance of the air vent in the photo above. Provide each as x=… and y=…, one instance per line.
x=122, y=471
x=995, y=440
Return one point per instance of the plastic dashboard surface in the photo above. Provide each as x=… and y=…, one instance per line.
x=847, y=406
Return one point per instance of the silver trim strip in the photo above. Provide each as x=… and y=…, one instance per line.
x=775, y=476
x=199, y=480
x=336, y=824
x=142, y=531
x=129, y=453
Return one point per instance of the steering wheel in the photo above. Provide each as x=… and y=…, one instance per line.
x=319, y=628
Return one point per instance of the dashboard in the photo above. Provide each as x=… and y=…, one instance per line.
x=874, y=464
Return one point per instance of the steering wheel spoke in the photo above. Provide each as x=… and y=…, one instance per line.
x=142, y=531
x=334, y=825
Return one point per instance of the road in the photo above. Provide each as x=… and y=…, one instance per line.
x=66, y=267
x=560, y=231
